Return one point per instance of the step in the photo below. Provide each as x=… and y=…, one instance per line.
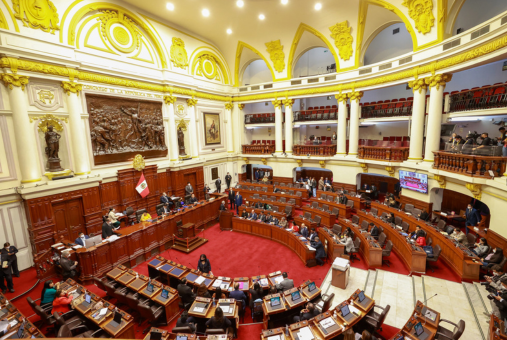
x=478, y=307
x=193, y=246
x=369, y=285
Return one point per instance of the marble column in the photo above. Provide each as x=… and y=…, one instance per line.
x=355, y=97
x=288, y=124
x=26, y=145
x=437, y=86
x=173, y=135
x=241, y=131
x=77, y=132
x=278, y=126
x=342, y=124
x=228, y=127
x=419, y=87
x=194, y=141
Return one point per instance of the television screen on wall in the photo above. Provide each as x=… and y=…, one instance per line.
x=414, y=181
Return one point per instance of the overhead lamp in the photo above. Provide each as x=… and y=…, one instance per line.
x=262, y=17
x=170, y=6
x=229, y=31
x=318, y=6
x=285, y=2
x=240, y=3
x=205, y=12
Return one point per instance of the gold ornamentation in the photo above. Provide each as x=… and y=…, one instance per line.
x=191, y=102
x=322, y=164
x=49, y=119
x=69, y=87
x=241, y=106
x=288, y=102
x=355, y=96
x=208, y=67
x=300, y=162
x=421, y=11
x=277, y=103
x=121, y=35
x=246, y=160
x=170, y=100
x=45, y=95
x=229, y=106
x=418, y=85
x=475, y=189
x=138, y=163
x=181, y=124
x=180, y=109
x=37, y=14
x=11, y=80
x=264, y=161
x=342, y=39
x=441, y=180
x=123, y=41
x=439, y=80
x=275, y=50
x=364, y=166
x=390, y=170
x=65, y=172
x=178, y=53
x=342, y=97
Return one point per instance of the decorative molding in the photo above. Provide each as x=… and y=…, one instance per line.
x=229, y=106
x=49, y=119
x=276, y=54
x=390, y=170
x=355, y=96
x=178, y=53
x=364, y=166
x=191, y=102
x=120, y=31
x=246, y=160
x=439, y=80
x=37, y=14
x=264, y=161
x=300, y=162
x=322, y=164
x=475, y=189
x=418, y=85
x=241, y=106
x=288, y=102
x=277, y=103
x=138, y=162
x=342, y=97
x=207, y=66
x=441, y=180
x=180, y=110
x=342, y=39
x=45, y=97
x=170, y=100
x=70, y=87
x=421, y=11
x=10, y=80
x=181, y=124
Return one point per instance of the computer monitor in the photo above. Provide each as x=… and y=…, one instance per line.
x=165, y=293
x=21, y=330
x=155, y=335
x=295, y=296
x=418, y=329
x=150, y=287
x=361, y=296
x=275, y=301
x=311, y=286
x=181, y=337
x=116, y=320
x=345, y=310
x=92, y=241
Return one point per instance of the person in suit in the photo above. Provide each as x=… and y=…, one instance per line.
x=232, y=198
x=321, y=183
x=261, y=174
x=494, y=283
x=413, y=235
x=203, y=265
x=256, y=175
x=163, y=210
x=244, y=214
x=6, y=273
x=238, y=295
x=222, y=206
x=304, y=230
x=186, y=321
x=313, y=234
x=185, y=292
x=285, y=284
x=397, y=189
x=193, y=199
x=188, y=189
x=481, y=248
x=283, y=222
x=253, y=216
x=460, y=236
x=374, y=192
x=366, y=187
x=166, y=201
x=472, y=216
x=342, y=199
x=107, y=229
x=11, y=252
x=238, y=200
x=274, y=221
x=228, y=179
x=314, y=187
x=68, y=266
x=269, y=218
x=424, y=215
x=114, y=218
x=327, y=181
x=81, y=239
x=320, y=252
x=499, y=304
x=308, y=313
x=262, y=217
x=218, y=184
x=374, y=231
x=206, y=192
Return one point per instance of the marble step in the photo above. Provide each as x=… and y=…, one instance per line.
x=369, y=285
x=478, y=307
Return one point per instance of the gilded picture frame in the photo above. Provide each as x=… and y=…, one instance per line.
x=212, y=131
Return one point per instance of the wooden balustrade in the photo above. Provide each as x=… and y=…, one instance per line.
x=314, y=150
x=383, y=153
x=470, y=165
x=258, y=149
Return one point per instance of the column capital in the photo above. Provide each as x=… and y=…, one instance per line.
x=355, y=96
x=341, y=97
x=277, y=103
x=439, y=80
x=191, y=102
x=71, y=87
x=241, y=106
x=288, y=102
x=229, y=106
x=12, y=79
x=170, y=99
x=418, y=85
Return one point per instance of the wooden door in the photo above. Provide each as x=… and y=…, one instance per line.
x=69, y=220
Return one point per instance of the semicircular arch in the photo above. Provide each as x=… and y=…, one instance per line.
x=372, y=37
x=239, y=70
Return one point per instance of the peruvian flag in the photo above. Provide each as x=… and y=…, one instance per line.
x=142, y=187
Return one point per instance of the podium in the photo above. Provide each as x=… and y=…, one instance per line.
x=226, y=220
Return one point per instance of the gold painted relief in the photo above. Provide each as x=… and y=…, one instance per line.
x=342, y=39
x=37, y=14
x=179, y=54
x=276, y=55
x=208, y=67
x=421, y=11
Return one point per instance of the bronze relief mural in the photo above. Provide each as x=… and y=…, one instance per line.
x=122, y=128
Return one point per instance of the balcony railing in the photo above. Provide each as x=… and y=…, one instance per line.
x=316, y=113
x=258, y=149
x=486, y=97
x=314, y=150
x=388, y=108
x=470, y=165
x=261, y=118
x=392, y=153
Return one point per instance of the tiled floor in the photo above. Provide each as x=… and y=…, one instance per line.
x=454, y=301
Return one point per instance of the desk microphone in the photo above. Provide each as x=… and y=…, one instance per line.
x=429, y=299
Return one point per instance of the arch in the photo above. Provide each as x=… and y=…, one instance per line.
x=452, y=16
x=82, y=12
x=402, y=42
x=297, y=37
x=14, y=22
x=373, y=36
x=3, y=22
x=196, y=55
x=239, y=51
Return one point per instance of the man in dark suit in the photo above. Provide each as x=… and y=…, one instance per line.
x=68, y=266
x=162, y=210
x=261, y=174
x=107, y=229
x=342, y=199
x=166, y=201
x=304, y=230
x=320, y=252
x=188, y=189
x=11, y=251
x=228, y=179
x=308, y=313
x=187, y=296
x=218, y=184
x=238, y=200
x=285, y=284
x=238, y=295
x=252, y=215
x=256, y=175
x=81, y=239
x=365, y=187
x=6, y=273
x=262, y=217
x=472, y=216
x=374, y=231
x=232, y=198
x=193, y=199
x=313, y=235
x=222, y=206
x=269, y=218
x=244, y=214
x=206, y=192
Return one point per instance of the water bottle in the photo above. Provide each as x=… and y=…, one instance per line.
x=287, y=330
x=214, y=304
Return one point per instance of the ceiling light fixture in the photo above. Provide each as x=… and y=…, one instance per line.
x=240, y=3
x=229, y=31
x=262, y=17
x=205, y=12
x=170, y=6
x=318, y=6
x=285, y=2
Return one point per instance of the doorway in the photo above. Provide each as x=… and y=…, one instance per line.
x=69, y=220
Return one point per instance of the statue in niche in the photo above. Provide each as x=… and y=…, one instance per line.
x=181, y=142
x=52, y=147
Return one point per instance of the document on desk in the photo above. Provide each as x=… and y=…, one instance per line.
x=328, y=322
x=225, y=285
x=278, y=279
x=3, y=325
x=198, y=309
x=217, y=283
x=310, y=247
x=305, y=334
x=276, y=337
x=264, y=282
x=225, y=309
x=430, y=315
x=200, y=280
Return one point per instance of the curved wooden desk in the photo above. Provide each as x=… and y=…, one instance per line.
x=277, y=214
x=369, y=248
x=270, y=187
x=248, y=195
x=358, y=201
x=429, y=318
x=326, y=218
x=280, y=205
x=459, y=258
x=344, y=211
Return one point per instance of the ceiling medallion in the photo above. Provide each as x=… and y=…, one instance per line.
x=342, y=39
x=208, y=67
x=121, y=35
x=178, y=53
x=120, y=31
x=276, y=54
x=37, y=14
x=421, y=11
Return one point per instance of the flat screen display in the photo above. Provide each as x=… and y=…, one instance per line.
x=414, y=181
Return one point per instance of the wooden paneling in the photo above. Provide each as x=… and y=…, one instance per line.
x=314, y=173
x=418, y=204
x=283, y=179
x=376, y=180
x=178, y=181
x=110, y=196
x=454, y=201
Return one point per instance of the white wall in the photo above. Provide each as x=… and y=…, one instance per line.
x=392, y=92
x=13, y=229
x=479, y=76
x=386, y=45
x=475, y=12
x=436, y=196
x=387, y=129
x=312, y=62
x=257, y=72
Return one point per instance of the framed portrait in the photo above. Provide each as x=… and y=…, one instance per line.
x=212, y=133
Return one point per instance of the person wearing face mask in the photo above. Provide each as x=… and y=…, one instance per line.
x=494, y=258
x=81, y=239
x=204, y=265
x=6, y=273
x=68, y=266
x=11, y=251
x=494, y=283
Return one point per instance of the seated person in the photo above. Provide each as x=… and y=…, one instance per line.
x=202, y=291
x=274, y=221
x=256, y=294
x=494, y=258
x=283, y=222
x=48, y=293
x=390, y=218
x=252, y=216
x=180, y=203
x=145, y=217
x=414, y=234
x=494, y=283
x=285, y=284
x=61, y=303
x=218, y=321
x=269, y=218
x=393, y=203
x=304, y=230
x=294, y=227
x=460, y=236
x=81, y=239
x=374, y=231
x=424, y=215
x=186, y=321
x=185, y=292
x=306, y=314
x=262, y=217
x=193, y=199
x=218, y=294
x=421, y=238
x=364, y=336
x=348, y=243
x=114, y=218
x=481, y=248
x=238, y=295
x=244, y=214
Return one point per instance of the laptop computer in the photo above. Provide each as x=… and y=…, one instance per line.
x=20, y=333
x=419, y=331
x=295, y=296
x=149, y=288
x=346, y=314
x=312, y=286
x=116, y=320
x=155, y=335
x=275, y=301
x=87, y=301
x=165, y=294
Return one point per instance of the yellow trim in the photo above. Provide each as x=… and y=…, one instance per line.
x=16, y=27
x=429, y=160
x=217, y=53
x=415, y=159
x=2, y=18
x=361, y=24
x=67, y=11
x=143, y=43
x=82, y=173
x=295, y=42
x=352, y=153
x=32, y=180
x=494, y=195
x=86, y=44
x=441, y=19
x=195, y=157
x=460, y=5
x=239, y=51
x=173, y=160
x=219, y=62
x=230, y=151
x=9, y=202
x=341, y=153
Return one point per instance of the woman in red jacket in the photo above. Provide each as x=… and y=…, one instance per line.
x=420, y=240
x=61, y=302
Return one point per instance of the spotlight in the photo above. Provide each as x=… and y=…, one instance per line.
x=318, y=6
x=229, y=31
x=170, y=6
x=240, y=3
x=262, y=17
x=205, y=12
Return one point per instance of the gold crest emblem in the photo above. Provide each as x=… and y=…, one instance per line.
x=139, y=163
x=37, y=14
x=178, y=53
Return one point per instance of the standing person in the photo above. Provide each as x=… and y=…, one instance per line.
x=321, y=183
x=228, y=179
x=261, y=174
x=238, y=201
x=68, y=266
x=107, y=229
x=206, y=192
x=232, y=198
x=114, y=218
x=6, y=273
x=203, y=265
x=189, y=190
x=256, y=175
x=472, y=216
x=218, y=184
x=11, y=251
x=320, y=252
x=314, y=187
x=222, y=206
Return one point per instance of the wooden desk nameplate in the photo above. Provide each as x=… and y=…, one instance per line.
x=200, y=302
